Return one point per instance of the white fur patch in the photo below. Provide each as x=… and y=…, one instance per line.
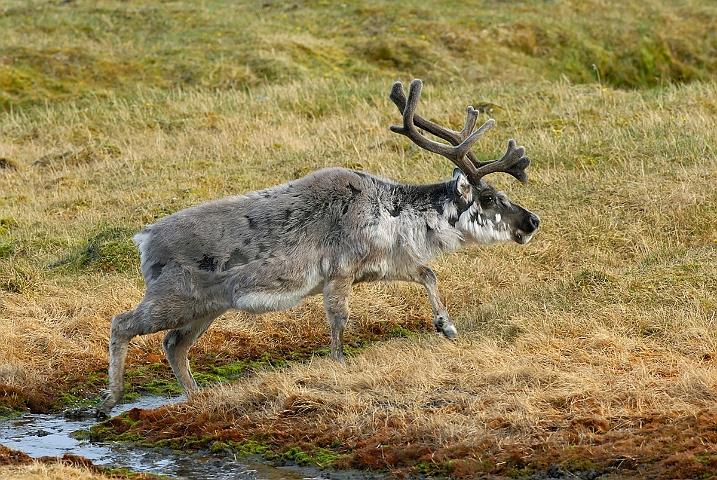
x=276, y=295
x=450, y=211
x=262, y=302
x=482, y=230
x=139, y=240
x=464, y=188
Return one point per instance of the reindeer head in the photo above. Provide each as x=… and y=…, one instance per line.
x=481, y=213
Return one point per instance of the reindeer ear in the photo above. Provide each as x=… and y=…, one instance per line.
x=464, y=189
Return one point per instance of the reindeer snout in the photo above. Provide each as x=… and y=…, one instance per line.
x=534, y=221
x=527, y=228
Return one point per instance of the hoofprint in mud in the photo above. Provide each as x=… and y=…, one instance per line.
x=268, y=250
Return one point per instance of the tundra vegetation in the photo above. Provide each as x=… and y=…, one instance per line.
x=590, y=348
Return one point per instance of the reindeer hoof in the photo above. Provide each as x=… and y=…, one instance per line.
x=338, y=357
x=450, y=332
x=445, y=326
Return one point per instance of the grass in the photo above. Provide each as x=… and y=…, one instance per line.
x=592, y=347
x=101, y=50
x=19, y=466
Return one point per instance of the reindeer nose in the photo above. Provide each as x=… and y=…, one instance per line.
x=534, y=221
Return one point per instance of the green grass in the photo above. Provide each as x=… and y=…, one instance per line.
x=86, y=50
x=110, y=249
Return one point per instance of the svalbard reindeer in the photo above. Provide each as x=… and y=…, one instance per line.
x=267, y=250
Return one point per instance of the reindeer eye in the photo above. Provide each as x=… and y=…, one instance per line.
x=487, y=199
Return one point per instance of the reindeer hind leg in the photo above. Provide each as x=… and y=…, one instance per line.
x=170, y=303
x=125, y=326
x=176, y=345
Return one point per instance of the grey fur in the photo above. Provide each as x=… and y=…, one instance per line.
x=268, y=250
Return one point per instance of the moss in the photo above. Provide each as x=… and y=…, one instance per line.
x=222, y=373
x=10, y=410
x=242, y=448
x=401, y=332
x=579, y=465
x=7, y=247
x=158, y=379
x=110, y=249
x=314, y=456
x=117, y=428
x=6, y=223
x=432, y=469
x=7, y=243
x=179, y=444
x=161, y=387
x=81, y=435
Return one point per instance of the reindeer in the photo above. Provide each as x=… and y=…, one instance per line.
x=267, y=250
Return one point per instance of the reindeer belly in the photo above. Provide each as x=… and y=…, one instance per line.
x=271, y=286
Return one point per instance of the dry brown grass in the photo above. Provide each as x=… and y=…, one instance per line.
x=44, y=471
x=450, y=395
x=16, y=465
x=599, y=328
x=592, y=347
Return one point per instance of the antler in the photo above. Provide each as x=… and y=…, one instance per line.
x=459, y=152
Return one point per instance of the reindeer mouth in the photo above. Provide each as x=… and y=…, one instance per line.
x=521, y=237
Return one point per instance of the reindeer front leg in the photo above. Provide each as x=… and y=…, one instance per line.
x=336, y=305
x=441, y=319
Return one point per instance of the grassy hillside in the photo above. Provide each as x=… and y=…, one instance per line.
x=592, y=347
x=85, y=50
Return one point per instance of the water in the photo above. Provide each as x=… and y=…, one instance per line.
x=50, y=436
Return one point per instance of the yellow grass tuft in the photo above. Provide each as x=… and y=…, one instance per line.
x=49, y=471
x=448, y=394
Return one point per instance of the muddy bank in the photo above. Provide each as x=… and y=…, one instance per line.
x=52, y=438
x=658, y=446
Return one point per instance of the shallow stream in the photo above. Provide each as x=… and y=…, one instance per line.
x=51, y=435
